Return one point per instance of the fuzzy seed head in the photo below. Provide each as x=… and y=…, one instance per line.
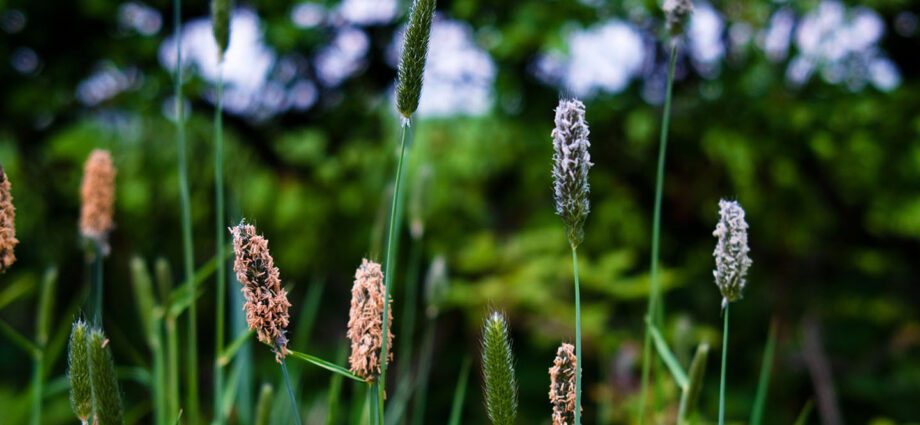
x=267, y=303
x=106, y=394
x=81, y=390
x=365, y=321
x=98, y=195
x=498, y=371
x=414, y=55
x=731, y=253
x=571, y=162
x=562, y=385
x=8, y=239
x=220, y=25
x=677, y=12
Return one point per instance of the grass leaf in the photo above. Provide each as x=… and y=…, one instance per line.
x=763, y=384
x=324, y=364
x=667, y=356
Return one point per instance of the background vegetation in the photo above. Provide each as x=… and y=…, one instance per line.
x=827, y=167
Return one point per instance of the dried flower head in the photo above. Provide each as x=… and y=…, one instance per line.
x=571, y=162
x=98, y=196
x=414, y=55
x=562, y=385
x=365, y=322
x=8, y=239
x=266, y=304
x=676, y=13
x=731, y=253
x=220, y=25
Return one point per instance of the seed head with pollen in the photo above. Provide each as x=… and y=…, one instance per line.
x=98, y=195
x=365, y=321
x=731, y=253
x=676, y=13
x=562, y=385
x=266, y=304
x=8, y=239
x=571, y=162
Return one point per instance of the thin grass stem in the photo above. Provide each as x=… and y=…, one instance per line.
x=577, y=338
x=220, y=234
x=295, y=410
x=42, y=329
x=374, y=394
x=654, y=293
x=763, y=383
x=722, y=375
x=97, y=284
x=456, y=410
x=389, y=268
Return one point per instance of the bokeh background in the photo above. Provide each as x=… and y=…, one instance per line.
x=807, y=112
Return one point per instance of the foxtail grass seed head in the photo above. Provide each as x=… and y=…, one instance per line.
x=81, y=390
x=267, y=303
x=106, y=394
x=562, y=385
x=677, y=13
x=220, y=25
x=498, y=371
x=571, y=162
x=98, y=195
x=436, y=286
x=731, y=253
x=414, y=55
x=365, y=322
x=8, y=239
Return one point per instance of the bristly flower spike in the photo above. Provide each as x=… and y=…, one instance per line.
x=106, y=394
x=562, y=385
x=365, y=322
x=81, y=390
x=98, y=195
x=731, y=252
x=8, y=239
x=220, y=25
x=571, y=162
x=267, y=303
x=498, y=371
x=677, y=13
x=414, y=55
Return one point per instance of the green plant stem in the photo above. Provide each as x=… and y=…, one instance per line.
x=295, y=410
x=456, y=410
x=722, y=375
x=42, y=329
x=409, y=307
x=220, y=235
x=97, y=284
x=374, y=394
x=578, y=357
x=389, y=267
x=424, y=374
x=653, y=298
x=763, y=383
x=185, y=201
x=172, y=367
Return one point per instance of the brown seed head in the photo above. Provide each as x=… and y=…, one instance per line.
x=562, y=385
x=266, y=301
x=365, y=322
x=8, y=239
x=98, y=195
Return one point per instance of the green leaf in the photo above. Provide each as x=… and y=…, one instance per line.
x=456, y=410
x=806, y=412
x=669, y=360
x=19, y=339
x=230, y=351
x=324, y=364
x=763, y=384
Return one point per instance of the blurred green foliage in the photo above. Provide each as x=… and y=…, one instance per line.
x=829, y=178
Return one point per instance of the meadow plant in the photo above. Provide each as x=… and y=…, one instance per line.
x=732, y=264
x=94, y=393
x=97, y=193
x=365, y=327
x=500, y=385
x=677, y=13
x=81, y=390
x=8, y=239
x=571, y=162
x=562, y=385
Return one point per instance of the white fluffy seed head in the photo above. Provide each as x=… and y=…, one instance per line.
x=571, y=162
x=731, y=253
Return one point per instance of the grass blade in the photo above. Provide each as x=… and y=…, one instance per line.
x=15, y=290
x=42, y=329
x=230, y=351
x=19, y=339
x=763, y=383
x=316, y=361
x=335, y=388
x=691, y=394
x=805, y=413
x=661, y=346
x=456, y=410
x=264, y=406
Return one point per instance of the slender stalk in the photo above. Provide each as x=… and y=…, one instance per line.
x=42, y=329
x=577, y=339
x=763, y=383
x=389, y=267
x=172, y=367
x=456, y=410
x=185, y=201
x=221, y=236
x=409, y=307
x=724, y=356
x=654, y=297
x=295, y=410
x=423, y=375
x=97, y=284
x=374, y=394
